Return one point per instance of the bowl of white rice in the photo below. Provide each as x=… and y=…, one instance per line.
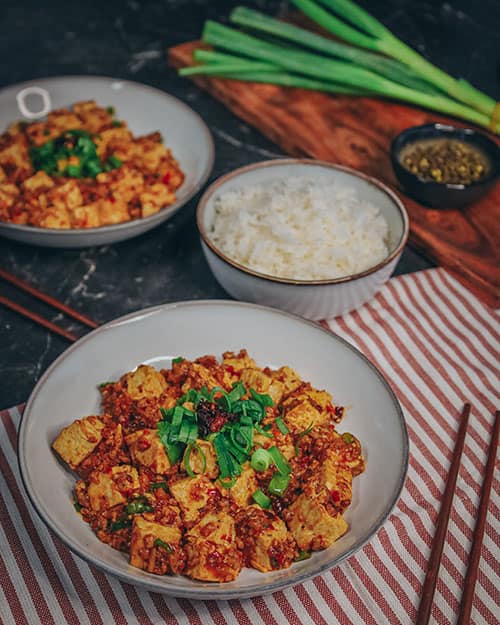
x=306, y=236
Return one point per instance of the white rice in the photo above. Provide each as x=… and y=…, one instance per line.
x=299, y=229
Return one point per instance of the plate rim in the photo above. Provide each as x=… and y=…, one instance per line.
x=216, y=591
x=73, y=233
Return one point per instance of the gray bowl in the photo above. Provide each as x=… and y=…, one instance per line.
x=312, y=299
x=69, y=390
x=146, y=110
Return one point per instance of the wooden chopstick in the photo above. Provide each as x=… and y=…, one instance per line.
x=38, y=319
x=429, y=586
x=24, y=286
x=477, y=540
x=424, y=610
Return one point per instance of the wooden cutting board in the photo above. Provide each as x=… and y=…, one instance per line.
x=357, y=132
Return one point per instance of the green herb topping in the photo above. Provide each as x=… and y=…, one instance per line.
x=224, y=418
x=261, y=499
x=161, y=543
x=73, y=154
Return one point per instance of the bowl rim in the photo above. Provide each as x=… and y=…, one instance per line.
x=471, y=135
x=206, y=593
x=213, y=188
x=126, y=225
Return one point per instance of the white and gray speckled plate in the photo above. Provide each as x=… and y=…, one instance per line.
x=68, y=390
x=146, y=110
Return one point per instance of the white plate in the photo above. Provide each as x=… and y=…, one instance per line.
x=68, y=390
x=145, y=110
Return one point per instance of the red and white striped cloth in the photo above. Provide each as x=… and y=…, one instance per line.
x=438, y=346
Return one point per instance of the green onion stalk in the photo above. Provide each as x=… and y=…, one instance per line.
x=372, y=62
x=228, y=66
x=380, y=39
x=331, y=71
x=390, y=68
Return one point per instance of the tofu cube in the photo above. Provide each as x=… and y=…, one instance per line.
x=66, y=196
x=154, y=199
x=85, y=216
x=113, y=211
x=145, y=381
x=301, y=415
x=337, y=480
x=244, y=487
x=147, y=449
x=288, y=377
x=55, y=217
x=146, y=553
x=268, y=545
x=311, y=525
x=256, y=379
x=212, y=553
x=238, y=361
x=38, y=182
x=320, y=399
x=113, y=487
x=192, y=494
x=78, y=440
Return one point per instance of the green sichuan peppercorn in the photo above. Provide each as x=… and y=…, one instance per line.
x=446, y=161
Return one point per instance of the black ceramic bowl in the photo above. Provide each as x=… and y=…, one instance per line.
x=443, y=195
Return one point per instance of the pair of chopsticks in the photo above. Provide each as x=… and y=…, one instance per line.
x=429, y=586
x=47, y=299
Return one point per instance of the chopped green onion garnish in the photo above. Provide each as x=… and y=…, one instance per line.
x=119, y=524
x=110, y=110
x=227, y=482
x=160, y=543
x=156, y=485
x=236, y=393
x=74, y=171
x=94, y=168
x=240, y=440
x=210, y=395
x=240, y=456
x=114, y=161
x=301, y=435
x=223, y=457
x=278, y=484
x=261, y=460
x=348, y=437
x=263, y=400
x=188, y=432
x=174, y=450
x=281, y=425
x=279, y=460
x=302, y=555
x=78, y=506
x=138, y=507
x=177, y=360
x=166, y=413
x=187, y=456
x=261, y=499
x=263, y=432
x=104, y=384
x=224, y=402
x=204, y=394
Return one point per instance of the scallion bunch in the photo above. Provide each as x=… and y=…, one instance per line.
x=373, y=61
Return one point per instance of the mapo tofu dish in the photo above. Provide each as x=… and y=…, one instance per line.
x=83, y=168
x=211, y=466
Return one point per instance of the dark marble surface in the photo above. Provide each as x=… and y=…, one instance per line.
x=128, y=39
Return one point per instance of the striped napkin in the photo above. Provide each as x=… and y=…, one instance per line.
x=438, y=347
